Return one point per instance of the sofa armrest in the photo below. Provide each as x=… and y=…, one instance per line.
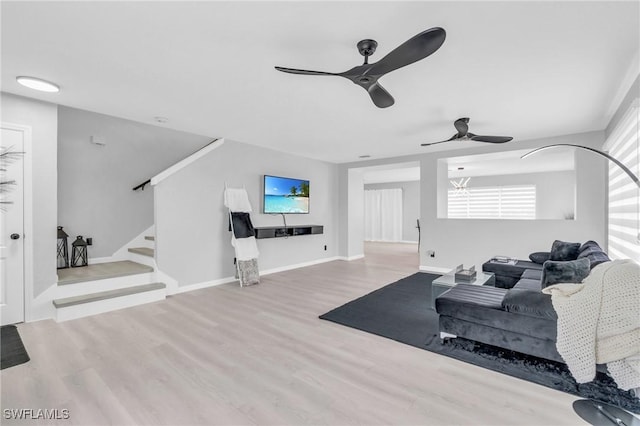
x=530, y=303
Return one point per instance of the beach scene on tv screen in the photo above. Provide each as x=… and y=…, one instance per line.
x=285, y=195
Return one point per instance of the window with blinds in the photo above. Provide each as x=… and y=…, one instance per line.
x=497, y=202
x=624, y=195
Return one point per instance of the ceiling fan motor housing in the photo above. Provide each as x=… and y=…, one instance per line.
x=367, y=47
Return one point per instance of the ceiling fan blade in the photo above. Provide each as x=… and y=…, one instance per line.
x=303, y=72
x=452, y=138
x=416, y=48
x=380, y=97
x=490, y=139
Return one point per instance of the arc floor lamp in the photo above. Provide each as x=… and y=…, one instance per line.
x=595, y=412
x=604, y=154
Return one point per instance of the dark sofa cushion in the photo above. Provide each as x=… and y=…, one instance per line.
x=573, y=271
x=592, y=251
x=529, y=284
x=486, y=296
x=508, y=275
x=539, y=257
x=563, y=251
x=532, y=274
x=530, y=303
x=493, y=314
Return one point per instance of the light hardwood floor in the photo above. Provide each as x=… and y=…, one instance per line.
x=259, y=355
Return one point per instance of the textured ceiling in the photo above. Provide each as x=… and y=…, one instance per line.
x=525, y=69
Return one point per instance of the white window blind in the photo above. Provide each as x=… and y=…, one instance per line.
x=624, y=195
x=497, y=202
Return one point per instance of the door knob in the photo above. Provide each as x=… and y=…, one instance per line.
x=15, y=236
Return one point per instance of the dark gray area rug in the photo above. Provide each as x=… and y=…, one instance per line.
x=12, y=351
x=401, y=311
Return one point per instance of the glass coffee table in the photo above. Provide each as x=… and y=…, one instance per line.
x=447, y=281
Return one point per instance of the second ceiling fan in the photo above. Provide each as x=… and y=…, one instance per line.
x=462, y=126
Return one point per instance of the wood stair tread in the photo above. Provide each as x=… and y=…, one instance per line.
x=104, y=295
x=101, y=271
x=144, y=251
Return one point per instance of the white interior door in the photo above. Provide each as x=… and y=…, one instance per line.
x=12, y=229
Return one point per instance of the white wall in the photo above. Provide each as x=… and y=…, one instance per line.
x=410, y=205
x=555, y=191
x=355, y=214
x=633, y=93
x=474, y=241
x=193, y=244
x=42, y=118
x=95, y=196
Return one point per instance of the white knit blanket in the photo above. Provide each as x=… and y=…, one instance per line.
x=599, y=322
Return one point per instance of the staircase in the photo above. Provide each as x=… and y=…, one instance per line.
x=109, y=286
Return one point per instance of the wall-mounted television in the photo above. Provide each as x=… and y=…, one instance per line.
x=285, y=195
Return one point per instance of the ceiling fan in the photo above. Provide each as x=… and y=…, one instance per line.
x=367, y=75
x=461, y=125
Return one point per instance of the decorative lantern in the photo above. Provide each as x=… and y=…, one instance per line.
x=79, y=252
x=63, y=249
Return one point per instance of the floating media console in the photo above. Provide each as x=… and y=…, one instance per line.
x=287, y=231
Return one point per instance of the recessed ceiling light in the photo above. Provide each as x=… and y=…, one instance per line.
x=38, y=84
x=161, y=119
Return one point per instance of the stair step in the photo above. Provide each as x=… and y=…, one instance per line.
x=101, y=271
x=145, y=251
x=150, y=238
x=103, y=295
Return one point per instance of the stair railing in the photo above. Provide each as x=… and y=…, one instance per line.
x=148, y=181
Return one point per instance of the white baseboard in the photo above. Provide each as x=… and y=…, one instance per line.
x=206, y=284
x=434, y=269
x=226, y=280
x=392, y=242
x=350, y=258
x=298, y=265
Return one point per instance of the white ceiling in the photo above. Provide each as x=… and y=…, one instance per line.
x=525, y=69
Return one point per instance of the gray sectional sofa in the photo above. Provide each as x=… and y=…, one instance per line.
x=515, y=314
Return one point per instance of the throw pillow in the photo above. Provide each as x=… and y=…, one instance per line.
x=242, y=226
x=590, y=244
x=592, y=251
x=573, y=271
x=564, y=251
x=539, y=257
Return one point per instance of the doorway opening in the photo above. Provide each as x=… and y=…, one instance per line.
x=384, y=213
